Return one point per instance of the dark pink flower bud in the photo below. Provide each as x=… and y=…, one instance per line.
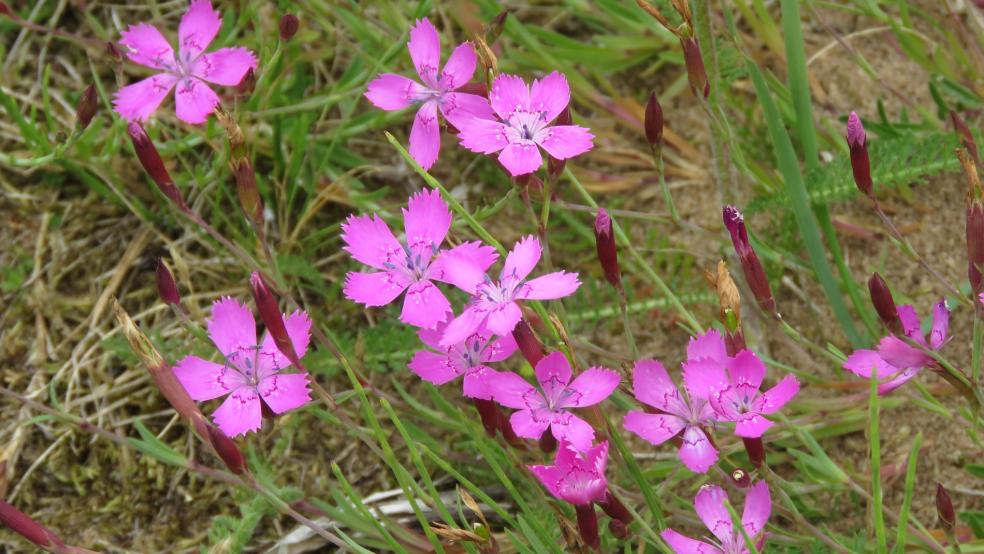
x=587, y=524
x=618, y=529
x=755, y=450
x=554, y=166
x=966, y=137
x=696, y=72
x=272, y=318
x=288, y=26
x=750, y=264
x=607, y=251
x=654, y=121
x=87, y=106
x=881, y=299
x=247, y=84
x=153, y=164
x=857, y=140
x=495, y=27
x=740, y=478
x=227, y=450
x=944, y=507
x=23, y=525
x=166, y=287
x=5, y=9
x=249, y=196
x=489, y=414
x=615, y=509
x=530, y=346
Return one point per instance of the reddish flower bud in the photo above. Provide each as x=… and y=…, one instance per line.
x=166, y=287
x=23, y=525
x=755, y=450
x=272, y=318
x=249, y=197
x=857, y=140
x=530, y=346
x=966, y=137
x=615, y=509
x=495, y=27
x=554, y=166
x=587, y=524
x=227, y=450
x=696, y=72
x=750, y=264
x=153, y=164
x=881, y=299
x=944, y=507
x=974, y=224
x=87, y=106
x=740, y=478
x=247, y=84
x=618, y=529
x=489, y=415
x=654, y=121
x=607, y=251
x=5, y=9
x=288, y=26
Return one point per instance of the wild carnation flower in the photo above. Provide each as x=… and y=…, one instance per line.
x=252, y=374
x=732, y=384
x=394, y=92
x=576, y=477
x=468, y=358
x=524, y=115
x=189, y=71
x=678, y=415
x=709, y=505
x=493, y=303
x=894, y=357
x=550, y=405
x=411, y=265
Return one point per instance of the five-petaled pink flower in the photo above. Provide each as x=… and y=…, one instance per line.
x=252, y=373
x=732, y=384
x=550, y=405
x=525, y=114
x=678, y=415
x=189, y=71
x=895, y=359
x=575, y=476
x=709, y=505
x=395, y=92
x=410, y=265
x=468, y=358
x=493, y=303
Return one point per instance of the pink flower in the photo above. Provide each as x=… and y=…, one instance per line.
x=468, y=358
x=409, y=265
x=678, y=415
x=252, y=374
x=550, y=405
x=894, y=357
x=575, y=477
x=525, y=115
x=732, y=384
x=709, y=505
x=394, y=92
x=493, y=303
x=189, y=70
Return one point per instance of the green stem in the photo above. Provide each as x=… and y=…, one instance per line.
x=623, y=305
x=876, y=489
x=657, y=152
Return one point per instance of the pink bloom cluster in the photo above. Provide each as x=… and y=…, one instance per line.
x=719, y=388
x=514, y=121
x=709, y=505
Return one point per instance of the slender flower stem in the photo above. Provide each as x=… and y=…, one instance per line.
x=775, y=485
x=874, y=439
x=623, y=305
x=657, y=153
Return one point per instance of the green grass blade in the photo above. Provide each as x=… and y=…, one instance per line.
x=910, y=485
x=876, y=488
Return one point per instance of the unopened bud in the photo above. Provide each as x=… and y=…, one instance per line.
x=227, y=450
x=944, y=507
x=528, y=343
x=696, y=72
x=152, y=163
x=587, y=525
x=113, y=52
x=740, y=478
x=87, y=106
x=857, y=140
x=607, y=251
x=755, y=450
x=5, y=9
x=166, y=287
x=618, y=529
x=495, y=27
x=288, y=26
x=272, y=318
x=881, y=299
x=974, y=224
x=654, y=121
x=489, y=415
x=249, y=197
x=750, y=264
x=247, y=84
x=554, y=166
x=966, y=137
x=22, y=524
x=615, y=509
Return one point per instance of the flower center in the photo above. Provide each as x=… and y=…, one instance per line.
x=525, y=125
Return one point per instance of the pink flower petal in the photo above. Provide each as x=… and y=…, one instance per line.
x=432, y=337
x=298, y=326
x=549, y=476
x=704, y=377
x=696, y=451
x=655, y=428
x=592, y=386
x=553, y=372
x=463, y=266
x=463, y=326
x=897, y=381
x=232, y=326
x=195, y=101
x=425, y=135
x=550, y=286
x=393, y=92
x=772, y=400
x=459, y=68
x=240, y=413
x=139, y=101
x=550, y=95
x=512, y=391
x=709, y=505
x=758, y=507
x=747, y=369
x=478, y=382
x=285, y=391
x=374, y=289
x=751, y=425
x=369, y=240
x=426, y=220
x=901, y=355
x=225, y=66
x=145, y=45
x=499, y=349
x=522, y=258
x=686, y=545
x=565, y=141
x=941, y=325
x=483, y=136
x=502, y=320
x=424, y=305
x=520, y=158
x=433, y=367
x=459, y=107
x=205, y=380
x=197, y=29
x=509, y=93
x=709, y=345
x=425, y=51
x=569, y=427
x=862, y=362
x=651, y=385
x=529, y=424
x=910, y=322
